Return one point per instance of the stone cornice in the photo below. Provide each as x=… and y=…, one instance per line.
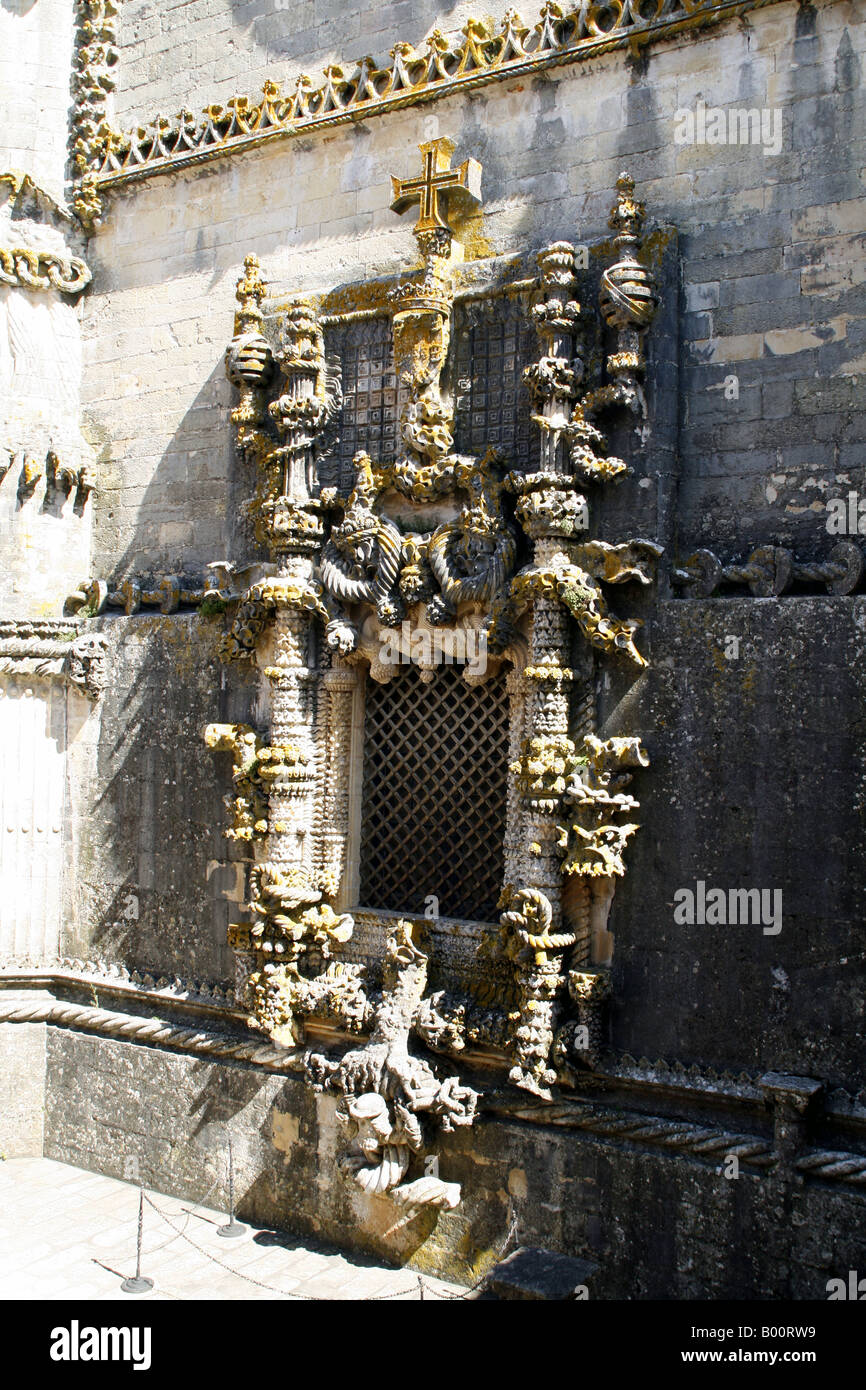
x=216, y=1041
x=350, y=92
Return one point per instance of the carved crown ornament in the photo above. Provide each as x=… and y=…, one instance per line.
x=349, y=585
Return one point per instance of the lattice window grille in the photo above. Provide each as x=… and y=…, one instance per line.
x=434, y=792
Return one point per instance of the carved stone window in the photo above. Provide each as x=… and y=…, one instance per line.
x=433, y=817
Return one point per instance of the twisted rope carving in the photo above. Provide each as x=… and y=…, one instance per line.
x=151, y=1033
x=827, y=1164
x=375, y=590
x=669, y=1134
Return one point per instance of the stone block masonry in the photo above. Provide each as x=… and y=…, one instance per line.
x=750, y=707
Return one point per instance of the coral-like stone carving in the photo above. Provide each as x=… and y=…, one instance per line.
x=90, y=135
x=536, y=953
x=249, y=805
x=595, y=839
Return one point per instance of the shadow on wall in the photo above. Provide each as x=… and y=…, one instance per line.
x=149, y=831
x=295, y=28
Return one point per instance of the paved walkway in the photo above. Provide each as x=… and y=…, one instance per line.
x=67, y=1233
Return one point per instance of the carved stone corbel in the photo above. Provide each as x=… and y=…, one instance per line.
x=86, y=664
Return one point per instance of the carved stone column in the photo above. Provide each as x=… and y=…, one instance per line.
x=337, y=693
x=293, y=788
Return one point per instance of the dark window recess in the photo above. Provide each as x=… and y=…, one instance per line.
x=435, y=769
x=493, y=344
x=372, y=402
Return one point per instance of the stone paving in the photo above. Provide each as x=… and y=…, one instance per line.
x=68, y=1233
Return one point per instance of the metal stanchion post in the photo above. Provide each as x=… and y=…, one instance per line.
x=233, y=1228
x=140, y=1284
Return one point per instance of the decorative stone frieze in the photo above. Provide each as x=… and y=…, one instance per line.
x=346, y=92
x=41, y=647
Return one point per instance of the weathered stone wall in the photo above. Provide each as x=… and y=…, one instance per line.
x=153, y=870
x=22, y=1089
x=36, y=42
x=756, y=781
x=193, y=52
x=658, y=1227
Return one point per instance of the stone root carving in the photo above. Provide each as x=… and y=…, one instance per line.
x=385, y=1091
x=594, y=841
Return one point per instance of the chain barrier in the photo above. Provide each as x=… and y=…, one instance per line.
x=424, y=1287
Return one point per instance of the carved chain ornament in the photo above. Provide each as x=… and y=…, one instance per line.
x=508, y=556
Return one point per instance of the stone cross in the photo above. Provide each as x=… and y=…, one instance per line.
x=438, y=178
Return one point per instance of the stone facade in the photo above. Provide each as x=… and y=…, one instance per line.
x=203, y=569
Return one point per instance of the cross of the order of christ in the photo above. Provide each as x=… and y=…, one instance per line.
x=438, y=179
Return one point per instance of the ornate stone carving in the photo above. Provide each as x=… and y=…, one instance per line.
x=86, y=664
x=771, y=570
x=43, y=270
x=249, y=360
x=472, y=556
x=362, y=558
x=627, y=299
x=536, y=953
x=90, y=135
x=595, y=839
x=42, y=647
x=249, y=804
x=352, y=565
x=385, y=1090
x=444, y=64
x=580, y=1043
x=422, y=311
